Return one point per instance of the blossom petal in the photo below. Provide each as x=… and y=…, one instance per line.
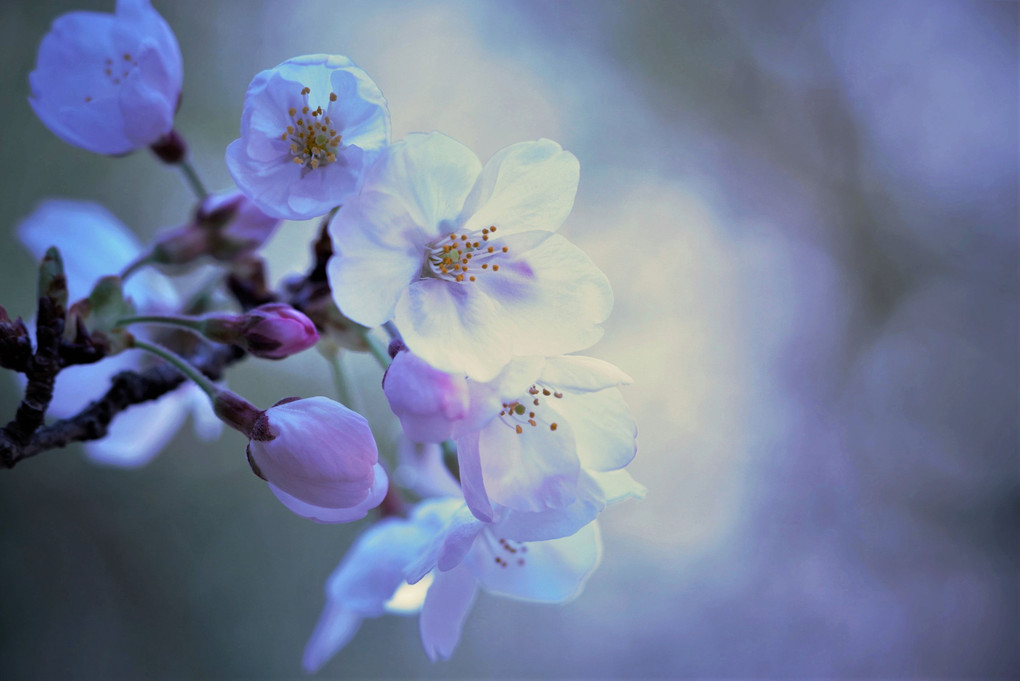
x=472, y=481
x=531, y=470
x=454, y=328
x=548, y=571
x=336, y=627
x=554, y=296
x=446, y=608
x=321, y=514
x=447, y=547
x=526, y=186
x=582, y=374
x=557, y=522
x=431, y=174
x=604, y=429
x=378, y=251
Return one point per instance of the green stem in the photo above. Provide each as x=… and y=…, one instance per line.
x=135, y=265
x=194, y=181
x=343, y=388
x=182, y=364
x=168, y=320
x=377, y=350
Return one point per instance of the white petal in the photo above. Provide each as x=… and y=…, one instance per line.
x=449, y=545
x=431, y=174
x=471, y=480
x=335, y=629
x=583, y=374
x=527, y=186
x=454, y=328
x=604, y=429
x=548, y=571
x=534, y=470
x=558, y=522
x=618, y=486
x=553, y=295
x=447, y=605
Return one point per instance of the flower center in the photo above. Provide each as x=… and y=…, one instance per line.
x=506, y=552
x=459, y=257
x=117, y=70
x=313, y=139
x=518, y=414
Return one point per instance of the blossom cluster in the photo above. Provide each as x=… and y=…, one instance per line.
x=513, y=444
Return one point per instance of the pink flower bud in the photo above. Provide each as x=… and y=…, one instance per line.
x=319, y=459
x=427, y=401
x=271, y=331
x=276, y=330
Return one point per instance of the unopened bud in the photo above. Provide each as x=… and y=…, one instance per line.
x=319, y=459
x=271, y=331
x=224, y=227
x=15, y=344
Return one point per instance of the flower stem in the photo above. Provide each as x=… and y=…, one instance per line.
x=181, y=364
x=377, y=350
x=343, y=388
x=135, y=265
x=168, y=320
x=192, y=178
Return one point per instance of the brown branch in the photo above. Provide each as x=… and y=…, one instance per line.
x=127, y=388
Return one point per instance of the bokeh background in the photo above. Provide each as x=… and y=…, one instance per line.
x=808, y=211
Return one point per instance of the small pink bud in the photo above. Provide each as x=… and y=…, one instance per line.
x=319, y=459
x=427, y=401
x=271, y=331
x=276, y=330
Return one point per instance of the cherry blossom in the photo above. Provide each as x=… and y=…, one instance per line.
x=108, y=83
x=464, y=258
x=309, y=128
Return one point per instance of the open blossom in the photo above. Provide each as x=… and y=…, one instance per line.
x=527, y=440
x=319, y=459
x=464, y=259
x=108, y=83
x=309, y=128
x=94, y=243
x=468, y=555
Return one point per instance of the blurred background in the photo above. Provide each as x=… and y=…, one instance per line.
x=808, y=211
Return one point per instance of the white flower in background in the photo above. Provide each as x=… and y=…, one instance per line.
x=464, y=259
x=309, y=129
x=319, y=459
x=108, y=83
x=93, y=243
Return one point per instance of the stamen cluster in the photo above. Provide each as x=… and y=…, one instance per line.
x=314, y=141
x=453, y=256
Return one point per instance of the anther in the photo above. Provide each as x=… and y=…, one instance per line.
x=495, y=268
x=519, y=430
x=332, y=96
x=552, y=426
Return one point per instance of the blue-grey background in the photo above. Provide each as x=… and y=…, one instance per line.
x=808, y=211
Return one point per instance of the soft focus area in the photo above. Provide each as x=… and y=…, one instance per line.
x=808, y=211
